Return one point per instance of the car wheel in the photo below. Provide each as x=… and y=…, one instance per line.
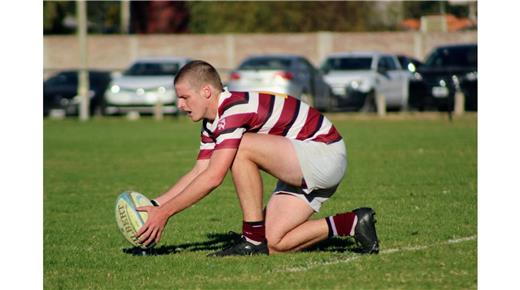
x=333, y=102
x=98, y=108
x=98, y=111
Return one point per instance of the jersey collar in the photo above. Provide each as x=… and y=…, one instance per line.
x=222, y=96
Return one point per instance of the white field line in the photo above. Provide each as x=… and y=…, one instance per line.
x=383, y=252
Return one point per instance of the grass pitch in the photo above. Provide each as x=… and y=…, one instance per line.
x=420, y=175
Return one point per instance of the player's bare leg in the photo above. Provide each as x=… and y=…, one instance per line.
x=274, y=154
x=288, y=227
x=248, y=183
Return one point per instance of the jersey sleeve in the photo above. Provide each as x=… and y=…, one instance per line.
x=230, y=139
x=236, y=116
x=207, y=145
x=231, y=129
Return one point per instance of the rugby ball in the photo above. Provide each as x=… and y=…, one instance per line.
x=129, y=220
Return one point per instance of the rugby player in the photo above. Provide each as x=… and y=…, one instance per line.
x=246, y=132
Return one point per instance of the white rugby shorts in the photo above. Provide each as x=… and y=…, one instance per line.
x=323, y=166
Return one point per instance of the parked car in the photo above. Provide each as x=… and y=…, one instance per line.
x=447, y=69
x=287, y=74
x=60, y=91
x=409, y=63
x=357, y=77
x=147, y=81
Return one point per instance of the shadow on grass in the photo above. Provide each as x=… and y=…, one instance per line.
x=334, y=244
x=217, y=241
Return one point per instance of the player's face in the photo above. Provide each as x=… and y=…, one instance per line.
x=191, y=100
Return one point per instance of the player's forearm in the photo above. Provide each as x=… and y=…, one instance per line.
x=177, y=188
x=202, y=185
x=183, y=182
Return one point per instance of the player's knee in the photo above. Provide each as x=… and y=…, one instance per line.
x=244, y=149
x=275, y=248
x=274, y=242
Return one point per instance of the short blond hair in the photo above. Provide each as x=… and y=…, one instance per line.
x=199, y=73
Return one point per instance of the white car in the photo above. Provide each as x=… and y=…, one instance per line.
x=287, y=74
x=357, y=77
x=147, y=81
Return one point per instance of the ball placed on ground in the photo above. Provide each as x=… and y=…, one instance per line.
x=129, y=220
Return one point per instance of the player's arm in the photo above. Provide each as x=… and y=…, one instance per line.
x=199, y=187
x=210, y=178
x=181, y=184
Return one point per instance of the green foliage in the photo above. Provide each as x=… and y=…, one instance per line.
x=103, y=16
x=278, y=16
x=260, y=16
x=53, y=14
x=416, y=9
x=419, y=175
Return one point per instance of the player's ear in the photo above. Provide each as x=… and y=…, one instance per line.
x=206, y=91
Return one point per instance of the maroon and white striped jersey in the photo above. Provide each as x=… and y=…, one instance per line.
x=263, y=113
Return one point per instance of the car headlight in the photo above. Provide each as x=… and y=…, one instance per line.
x=455, y=81
x=356, y=84
x=360, y=85
x=472, y=76
x=115, y=89
x=416, y=77
x=161, y=90
x=411, y=67
x=64, y=102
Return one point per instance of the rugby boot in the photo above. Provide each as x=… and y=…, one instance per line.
x=242, y=247
x=365, y=231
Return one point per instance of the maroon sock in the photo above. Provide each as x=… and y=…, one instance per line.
x=341, y=224
x=254, y=230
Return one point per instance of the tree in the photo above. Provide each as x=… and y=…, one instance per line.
x=53, y=15
x=283, y=16
x=243, y=16
x=416, y=9
x=59, y=17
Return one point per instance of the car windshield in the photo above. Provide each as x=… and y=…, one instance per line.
x=63, y=79
x=403, y=61
x=348, y=63
x=266, y=64
x=153, y=69
x=464, y=56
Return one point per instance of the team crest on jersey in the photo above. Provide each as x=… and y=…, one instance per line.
x=221, y=124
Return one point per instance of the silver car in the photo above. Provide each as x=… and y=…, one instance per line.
x=285, y=74
x=146, y=82
x=357, y=77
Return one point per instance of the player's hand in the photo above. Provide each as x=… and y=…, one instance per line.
x=151, y=231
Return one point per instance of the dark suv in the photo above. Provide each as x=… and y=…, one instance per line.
x=446, y=70
x=60, y=91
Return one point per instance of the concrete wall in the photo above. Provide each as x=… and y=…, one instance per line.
x=226, y=51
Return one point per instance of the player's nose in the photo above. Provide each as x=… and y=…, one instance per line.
x=181, y=105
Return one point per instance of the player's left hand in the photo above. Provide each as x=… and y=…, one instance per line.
x=151, y=231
